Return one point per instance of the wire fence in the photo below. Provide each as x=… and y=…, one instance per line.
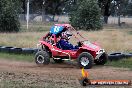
x=45, y=18
x=39, y=21
x=124, y=20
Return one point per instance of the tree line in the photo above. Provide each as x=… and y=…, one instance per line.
x=57, y=7
x=84, y=14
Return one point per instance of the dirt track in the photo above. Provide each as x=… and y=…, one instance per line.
x=27, y=75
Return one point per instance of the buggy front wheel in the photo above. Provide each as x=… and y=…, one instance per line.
x=85, y=60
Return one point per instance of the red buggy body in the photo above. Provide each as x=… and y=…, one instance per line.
x=87, y=54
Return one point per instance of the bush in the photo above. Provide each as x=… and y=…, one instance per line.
x=9, y=10
x=86, y=15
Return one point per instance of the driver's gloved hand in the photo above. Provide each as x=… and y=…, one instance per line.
x=76, y=47
x=79, y=44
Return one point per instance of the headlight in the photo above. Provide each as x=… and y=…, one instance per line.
x=100, y=51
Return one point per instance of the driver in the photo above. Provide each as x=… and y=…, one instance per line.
x=64, y=44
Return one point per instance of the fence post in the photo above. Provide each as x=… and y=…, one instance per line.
x=27, y=14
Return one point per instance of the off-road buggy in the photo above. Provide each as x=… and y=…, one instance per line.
x=87, y=54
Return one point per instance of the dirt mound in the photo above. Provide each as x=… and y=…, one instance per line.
x=29, y=75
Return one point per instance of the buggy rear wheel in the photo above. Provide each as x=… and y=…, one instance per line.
x=85, y=60
x=42, y=58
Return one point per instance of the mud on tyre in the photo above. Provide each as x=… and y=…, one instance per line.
x=42, y=58
x=85, y=60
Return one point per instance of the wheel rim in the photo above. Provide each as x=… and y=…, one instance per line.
x=40, y=59
x=84, y=61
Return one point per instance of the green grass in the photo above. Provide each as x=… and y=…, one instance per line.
x=130, y=32
x=35, y=29
x=18, y=57
x=124, y=63
x=36, y=26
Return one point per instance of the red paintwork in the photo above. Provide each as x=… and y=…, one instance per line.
x=73, y=54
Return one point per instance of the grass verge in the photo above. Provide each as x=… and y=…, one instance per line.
x=130, y=32
x=124, y=63
x=18, y=57
x=112, y=40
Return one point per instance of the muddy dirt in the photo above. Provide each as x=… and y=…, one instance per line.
x=16, y=74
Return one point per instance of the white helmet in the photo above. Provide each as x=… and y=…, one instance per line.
x=66, y=35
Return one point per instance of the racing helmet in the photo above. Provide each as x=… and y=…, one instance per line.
x=66, y=35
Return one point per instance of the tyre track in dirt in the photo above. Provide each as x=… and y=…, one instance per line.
x=28, y=75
